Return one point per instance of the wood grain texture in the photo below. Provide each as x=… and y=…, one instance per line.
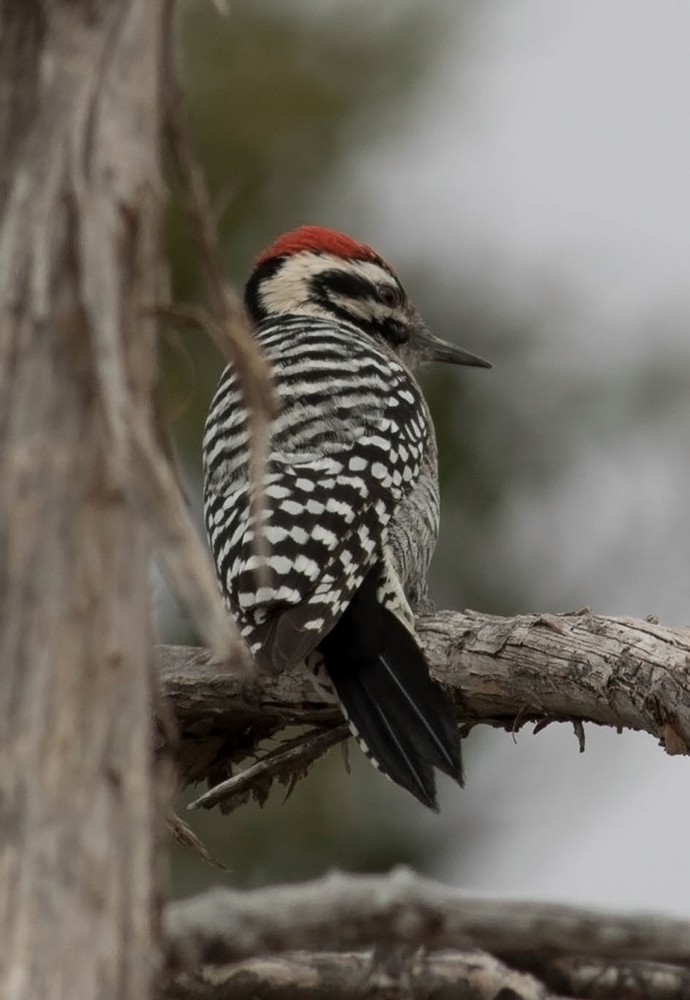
x=80, y=199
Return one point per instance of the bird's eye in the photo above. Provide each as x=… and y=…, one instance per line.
x=389, y=295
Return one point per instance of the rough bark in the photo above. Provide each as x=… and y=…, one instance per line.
x=357, y=975
x=442, y=975
x=79, y=221
x=620, y=672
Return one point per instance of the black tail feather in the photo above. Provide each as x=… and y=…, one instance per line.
x=382, y=680
x=384, y=739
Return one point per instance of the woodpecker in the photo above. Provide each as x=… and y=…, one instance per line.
x=352, y=503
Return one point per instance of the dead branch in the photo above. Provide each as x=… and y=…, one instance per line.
x=353, y=975
x=442, y=975
x=286, y=764
x=352, y=911
x=621, y=672
x=595, y=979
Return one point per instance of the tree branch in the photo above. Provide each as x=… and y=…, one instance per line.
x=303, y=975
x=352, y=911
x=594, y=979
x=443, y=975
x=622, y=672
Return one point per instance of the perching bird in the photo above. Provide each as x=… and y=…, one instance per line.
x=352, y=496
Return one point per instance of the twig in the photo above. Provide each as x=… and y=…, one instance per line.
x=184, y=835
x=284, y=764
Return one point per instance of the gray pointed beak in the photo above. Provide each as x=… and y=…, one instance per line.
x=434, y=349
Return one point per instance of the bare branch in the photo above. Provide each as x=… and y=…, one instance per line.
x=352, y=911
x=598, y=980
x=353, y=975
x=621, y=672
x=184, y=835
x=442, y=975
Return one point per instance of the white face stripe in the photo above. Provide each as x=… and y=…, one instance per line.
x=367, y=269
x=288, y=290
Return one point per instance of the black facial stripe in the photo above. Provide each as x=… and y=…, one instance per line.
x=351, y=286
x=354, y=287
x=252, y=299
x=341, y=311
x=393, y=331
x=332, y=290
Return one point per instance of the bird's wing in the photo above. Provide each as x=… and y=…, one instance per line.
x=325, y=520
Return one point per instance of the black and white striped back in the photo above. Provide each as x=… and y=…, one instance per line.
x=347, y=446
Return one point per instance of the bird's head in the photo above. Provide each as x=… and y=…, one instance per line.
x=317, y=272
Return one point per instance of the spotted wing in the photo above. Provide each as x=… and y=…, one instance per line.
x=325, y=520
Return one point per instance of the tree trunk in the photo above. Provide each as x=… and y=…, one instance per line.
x=79, y=220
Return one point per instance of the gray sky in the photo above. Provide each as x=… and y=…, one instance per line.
x=557, y=141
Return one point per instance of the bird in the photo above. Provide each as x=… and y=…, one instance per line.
x=351, y=512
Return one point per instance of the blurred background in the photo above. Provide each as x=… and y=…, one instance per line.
x=526, y=168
